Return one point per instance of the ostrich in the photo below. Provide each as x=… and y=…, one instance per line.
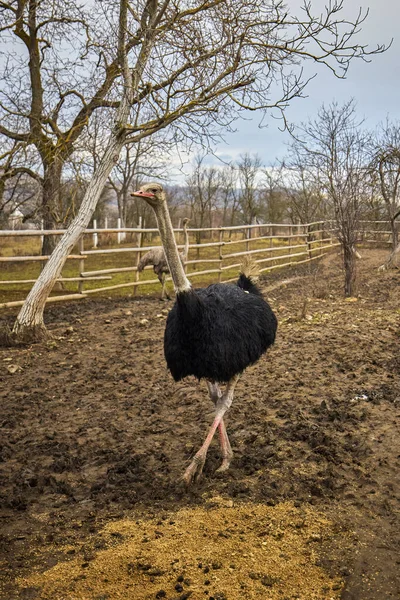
x=156, y=257
x=212, y=333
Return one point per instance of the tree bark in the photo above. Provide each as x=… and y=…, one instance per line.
x=392, y=260
x=395, y=235
x=50, y=203
x=349, y=262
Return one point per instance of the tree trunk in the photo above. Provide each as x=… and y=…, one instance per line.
x=29, y=325
x=50, y=203
x=395, y=235
x=349, y=262
x=232, y=220
x=392, y=260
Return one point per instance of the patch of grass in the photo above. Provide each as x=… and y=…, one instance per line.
x=20, y=246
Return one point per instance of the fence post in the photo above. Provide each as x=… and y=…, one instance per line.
x=81, y=262
x=221, y=256
x=138, y=255
x=95, y=236
x=248, y=236
x=290, y=227
x=42, y=236
x=119, y=235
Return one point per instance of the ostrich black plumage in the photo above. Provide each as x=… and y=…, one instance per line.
x=212, y=333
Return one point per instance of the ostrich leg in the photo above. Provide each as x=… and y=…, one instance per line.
x=227, y=454
x=194, y=470
x=164, y=288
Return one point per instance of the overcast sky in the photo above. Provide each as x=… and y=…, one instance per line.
x=375, y=86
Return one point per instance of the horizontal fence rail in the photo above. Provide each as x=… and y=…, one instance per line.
x=272, y=246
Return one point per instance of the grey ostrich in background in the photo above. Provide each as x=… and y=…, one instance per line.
x=213, y=333
x=156, y=257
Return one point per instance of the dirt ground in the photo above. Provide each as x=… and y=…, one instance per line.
x=96, y=435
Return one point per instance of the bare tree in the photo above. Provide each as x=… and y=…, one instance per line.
x=306, y=199
x=50, y=87
x=20, y=187
x=273, y=196
x=19, y=192
x=29, y=324
x=385, y=164
x=334, y=151
x=228, y=196
x=202, y=194
x=249, y=167
x=195, y=64
x=373, y=208
x=128, y=174
x=136, y=162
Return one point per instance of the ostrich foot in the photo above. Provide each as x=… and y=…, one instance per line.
x=194, y=470
x=224, y=466
x=227, y=454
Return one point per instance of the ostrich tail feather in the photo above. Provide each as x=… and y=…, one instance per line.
x=248, y=277
x=249, y=268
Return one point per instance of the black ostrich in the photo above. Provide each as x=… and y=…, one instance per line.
x=212, y=333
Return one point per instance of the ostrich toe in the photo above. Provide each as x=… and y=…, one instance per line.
x=194, y=470
x=224, y=466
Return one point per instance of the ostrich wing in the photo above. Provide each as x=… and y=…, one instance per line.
x=215, y=333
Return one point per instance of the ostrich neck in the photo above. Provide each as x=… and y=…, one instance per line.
x=186, y=248
x=181, y=282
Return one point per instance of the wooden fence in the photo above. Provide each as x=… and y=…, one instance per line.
x=272, y=245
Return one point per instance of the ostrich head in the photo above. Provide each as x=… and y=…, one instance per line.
x=185, y=221
x=153, y=193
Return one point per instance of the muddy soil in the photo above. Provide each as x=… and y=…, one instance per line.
x=95, y=435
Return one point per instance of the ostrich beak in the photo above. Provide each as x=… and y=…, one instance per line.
x=140, y=194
